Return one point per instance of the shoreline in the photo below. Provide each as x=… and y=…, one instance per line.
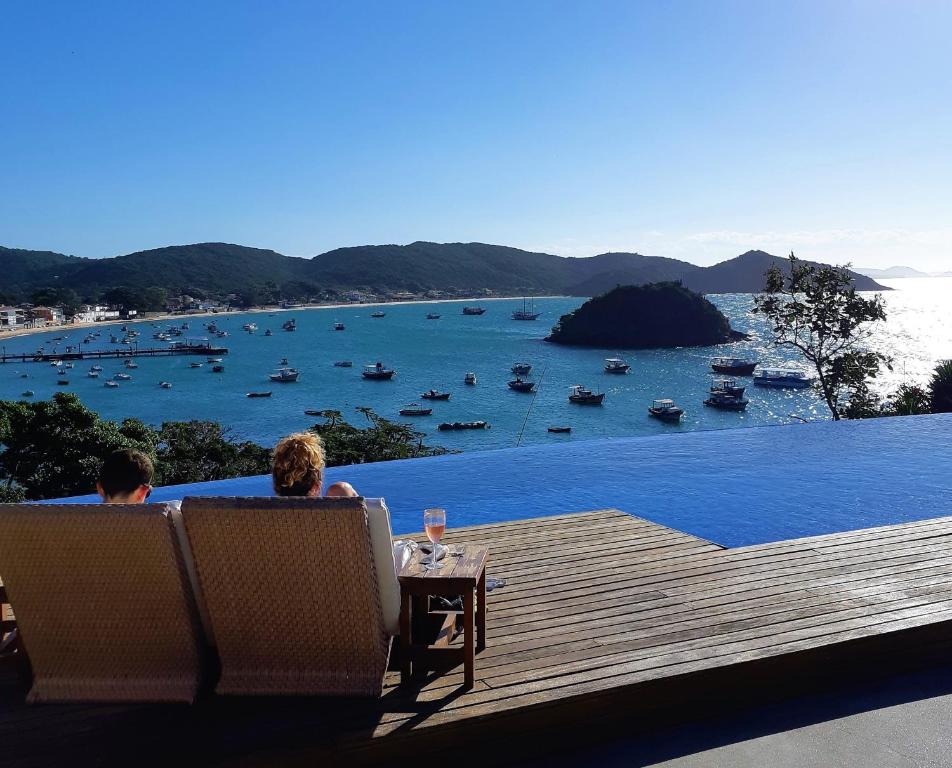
x=166, y=317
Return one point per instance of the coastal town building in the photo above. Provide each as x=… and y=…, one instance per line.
x=94, y=313
x=43, y=316
x=12, y=318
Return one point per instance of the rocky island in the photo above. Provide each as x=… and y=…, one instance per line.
x=643, y=317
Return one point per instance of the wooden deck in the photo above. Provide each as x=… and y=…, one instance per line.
x=607, y=621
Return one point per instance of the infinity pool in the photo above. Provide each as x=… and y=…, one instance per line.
x=734, y=487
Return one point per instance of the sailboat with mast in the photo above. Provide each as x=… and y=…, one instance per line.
x=524, y=313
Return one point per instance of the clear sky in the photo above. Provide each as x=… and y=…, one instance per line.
x=696, y=130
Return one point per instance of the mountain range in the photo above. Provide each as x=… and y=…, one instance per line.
x=220, y=268
x=894, y=272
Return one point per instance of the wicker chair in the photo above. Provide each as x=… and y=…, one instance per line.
x=293, y=593
x=103, y=605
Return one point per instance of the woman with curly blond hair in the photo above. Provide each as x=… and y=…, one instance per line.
x=297, y=468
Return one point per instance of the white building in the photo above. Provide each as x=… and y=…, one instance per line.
x=89, y=313
x=11, y=318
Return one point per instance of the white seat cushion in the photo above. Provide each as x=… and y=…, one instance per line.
x=381, y=542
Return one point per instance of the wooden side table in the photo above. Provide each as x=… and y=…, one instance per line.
x=463, y=573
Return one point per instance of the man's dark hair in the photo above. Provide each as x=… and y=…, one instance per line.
x=125, y=471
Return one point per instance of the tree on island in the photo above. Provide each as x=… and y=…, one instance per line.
x=817, y=311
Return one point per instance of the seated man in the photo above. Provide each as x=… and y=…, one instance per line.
x=297, y=468
x=126, y=478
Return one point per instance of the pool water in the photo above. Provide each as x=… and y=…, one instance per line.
x=734, y=487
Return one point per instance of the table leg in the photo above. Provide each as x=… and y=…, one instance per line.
x=481, y=613
x=469, y=660
x=406, y=637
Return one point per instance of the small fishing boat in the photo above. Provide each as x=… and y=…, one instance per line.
x=526, y=314
x=583, y=396
x=470, y=378
x=456, y=425
x=268, y=332
x=122, y=377
x=165, y=384
x=196, y=365
x=250, y=327
x=725, y=402
x=666, y=410
x=378, y=372
x=131, y=364
x=519, y=384
x=415, y=409
x=434, y=394
x=432, y=316
x=338, y=326
x=521, y=369
x=285, y=375
x=221, y=334
x=728, y=387
x=289, y=325
x=344, y=364
x=616, y=365
x=214, y=360
x=378, y=313
x=733, y=366
x=258, y=394
x=212, y=328
x=782, y=378
x=218, y=369
x=68, y=365
x=560, y=430
x=62, y=382
x=27, y=393
x=112, y=384
x=24, y=375
x=96, y=368
x=93, y=374
x=284, y=361
x=473, y=311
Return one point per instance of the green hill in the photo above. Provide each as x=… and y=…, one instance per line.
x=645, y=317
x=218, y=269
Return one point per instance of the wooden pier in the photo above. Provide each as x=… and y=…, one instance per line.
x=607, y=621
x=111, y=354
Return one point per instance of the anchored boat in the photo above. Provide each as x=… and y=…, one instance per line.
x=726, y=402
x=415, y=409
x=469, y=378
x=285, y=375
x=435, y=395
x=616, y=365
x=473, y=311
x=455, y=425
x=521, y=369
x=526, y=314
x=583, y=396
x=734, y=366
x=782, y=378
x=666, y=410
x=521, y=385
x=377, y=372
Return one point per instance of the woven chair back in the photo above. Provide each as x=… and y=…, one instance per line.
x=291, y=591
x=103, y=605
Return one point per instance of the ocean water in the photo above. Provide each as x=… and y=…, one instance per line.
x=437, y=353
x=734, y=487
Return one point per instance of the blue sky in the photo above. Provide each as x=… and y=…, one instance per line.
x=695, y=130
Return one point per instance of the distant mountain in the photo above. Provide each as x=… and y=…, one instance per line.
x=891, y=272
x=222, y=268
x=22, y=270
x=745, y=274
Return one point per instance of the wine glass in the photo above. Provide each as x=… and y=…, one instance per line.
x=434, y=523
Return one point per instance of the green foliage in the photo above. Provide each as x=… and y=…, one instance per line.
x=57, y=297
x=940, y=388
x=11, y=494
x=908, y=400
x=817, y=311
x=150, y=299
x=55, y=447
x=642, y=317
x=380, y=440
x=195, y=451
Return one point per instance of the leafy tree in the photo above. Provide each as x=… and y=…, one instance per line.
x=195, y=451
x=940, y=388
x=11, y=494
x=381, y=440
x=817, y=311
x=56, y=447
x=55, y=297
x=908, y=400
x=145, y=299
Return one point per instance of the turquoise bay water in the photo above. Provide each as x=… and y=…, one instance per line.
x=437, y=353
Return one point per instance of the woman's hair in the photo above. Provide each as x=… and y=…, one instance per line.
x=298, y=465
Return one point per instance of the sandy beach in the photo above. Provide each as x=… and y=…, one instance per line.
x=161, y=317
